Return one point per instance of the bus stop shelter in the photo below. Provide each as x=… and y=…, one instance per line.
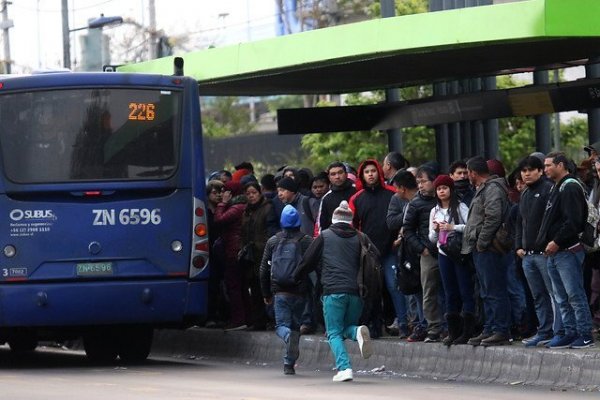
x=428, y=48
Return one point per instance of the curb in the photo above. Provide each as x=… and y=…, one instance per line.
x=565, y=369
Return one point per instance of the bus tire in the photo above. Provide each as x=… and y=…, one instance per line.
x=135, y=344
x=100, y=348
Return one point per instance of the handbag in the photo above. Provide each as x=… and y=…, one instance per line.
x=246, y=254
x=408, y=270
x=453, y=246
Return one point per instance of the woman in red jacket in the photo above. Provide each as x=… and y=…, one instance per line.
x=228, y=217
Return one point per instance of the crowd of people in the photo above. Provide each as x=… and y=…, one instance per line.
x=499, y=256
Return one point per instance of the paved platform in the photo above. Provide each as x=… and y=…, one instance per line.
x=560, y=369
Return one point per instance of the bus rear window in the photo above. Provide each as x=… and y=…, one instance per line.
x=90, y=134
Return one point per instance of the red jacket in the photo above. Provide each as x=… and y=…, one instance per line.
x=228, y=217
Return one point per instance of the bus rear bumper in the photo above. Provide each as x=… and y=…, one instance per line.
x=156, y=303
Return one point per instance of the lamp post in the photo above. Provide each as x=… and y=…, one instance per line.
x=96, y=23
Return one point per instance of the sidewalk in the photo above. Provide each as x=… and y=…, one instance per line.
x=565, y=369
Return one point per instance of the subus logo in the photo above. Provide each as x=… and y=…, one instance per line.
x=17, y=215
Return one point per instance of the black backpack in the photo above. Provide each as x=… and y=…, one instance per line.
x=284, y=260
x=369, y=272
x=369, y=277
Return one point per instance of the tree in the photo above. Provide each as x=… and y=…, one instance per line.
x=224, y=116
x=354, y=147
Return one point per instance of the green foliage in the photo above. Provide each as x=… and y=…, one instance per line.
x=354, y=147
x=279, y=102
x=224, y=116
x=516, y=139
x=403, y=7
x=573, y=136
x=517, y=134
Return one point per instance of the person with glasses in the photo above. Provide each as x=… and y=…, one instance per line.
x=416, y=234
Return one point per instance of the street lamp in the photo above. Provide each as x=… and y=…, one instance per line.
x=96, y=23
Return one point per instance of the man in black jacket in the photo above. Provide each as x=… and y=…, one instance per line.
x=341, y=188
x=531, y=211
x=369, y=206
x=416, y=234
x=563, y=222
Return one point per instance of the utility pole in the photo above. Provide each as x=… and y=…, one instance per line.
x=6, y=25
x=65, y=34
x=153, y=43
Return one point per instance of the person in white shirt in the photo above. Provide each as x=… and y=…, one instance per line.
x=446, y=224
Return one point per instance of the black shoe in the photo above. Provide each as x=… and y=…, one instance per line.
x=432, y=338
x=289, y=370
x=476, y=341
x=418, y=335
x=497, y=339
x=306, y=329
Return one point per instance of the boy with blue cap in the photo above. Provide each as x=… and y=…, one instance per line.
x=282, y=255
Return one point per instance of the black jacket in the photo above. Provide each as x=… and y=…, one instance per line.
x=416, y=224
x=335, y=255
x=395, y=214
x=266, y=285
x=370, y=206
x=565, y=216
x=332, y=200
x=531, y=211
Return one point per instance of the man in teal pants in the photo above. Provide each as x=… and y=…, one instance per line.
x=335, y=255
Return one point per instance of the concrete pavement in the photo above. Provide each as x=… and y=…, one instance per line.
x=566, y=369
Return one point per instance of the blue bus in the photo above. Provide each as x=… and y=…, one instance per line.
x=102, y=210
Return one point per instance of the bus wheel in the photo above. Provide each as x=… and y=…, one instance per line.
x=135, y=344
x=23, y=344
x=99, y=348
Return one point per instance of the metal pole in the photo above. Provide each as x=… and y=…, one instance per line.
x=153, y=50
x=592, y=70
x=542, y=122
x=65, y=34
x=556, y=132
x=388, y=9
x=6, y=24
x=490, y=127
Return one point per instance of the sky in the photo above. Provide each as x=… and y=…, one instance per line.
x=36, y=38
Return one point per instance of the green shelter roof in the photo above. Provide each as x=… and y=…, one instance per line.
x=400, y=51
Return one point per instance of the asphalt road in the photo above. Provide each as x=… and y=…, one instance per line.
x=58, y=374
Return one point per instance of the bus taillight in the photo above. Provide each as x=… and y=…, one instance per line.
x=200, y=230
x=200, y=246
x=198, y=262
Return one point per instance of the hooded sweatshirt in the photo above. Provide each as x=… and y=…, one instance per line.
x=370, y=206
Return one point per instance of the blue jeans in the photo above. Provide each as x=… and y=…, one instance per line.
x=458, y=286
x=516, y=293
x=308, y=317
x=491, y=270
x=398, y=298
x=535, y=267
x=566, y=273
x=341, y=313
x=288, y=316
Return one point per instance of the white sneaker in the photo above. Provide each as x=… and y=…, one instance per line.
x=364, y=341
x=343, y=376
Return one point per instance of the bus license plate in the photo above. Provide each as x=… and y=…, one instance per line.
x=94, y=269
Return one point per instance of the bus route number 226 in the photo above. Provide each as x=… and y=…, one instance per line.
x=126, y=216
